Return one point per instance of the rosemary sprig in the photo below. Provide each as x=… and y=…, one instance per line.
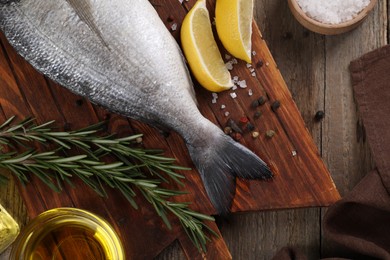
x=126, y=170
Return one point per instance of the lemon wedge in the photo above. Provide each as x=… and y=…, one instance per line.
x=201, y=50
x=233, y=19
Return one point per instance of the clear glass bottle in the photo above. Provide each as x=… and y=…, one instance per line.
x=9, y=229
x=68, y=233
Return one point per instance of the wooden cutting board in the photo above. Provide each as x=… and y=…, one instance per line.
x=301, y=178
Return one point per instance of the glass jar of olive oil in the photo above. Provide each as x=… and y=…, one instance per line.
x=68, y=233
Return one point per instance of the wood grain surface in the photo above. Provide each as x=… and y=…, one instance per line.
x=315, y=69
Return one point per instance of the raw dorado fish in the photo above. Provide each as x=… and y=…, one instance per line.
x=119, y=54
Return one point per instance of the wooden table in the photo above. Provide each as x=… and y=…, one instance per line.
x=315, y=68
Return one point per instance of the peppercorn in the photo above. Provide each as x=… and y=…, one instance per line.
x=261, y=100
x=319, y=115
x=250, y=127
x=257, y=114
x=275, y=105
x=170, y=18
x=259, y=64
x=255, y=103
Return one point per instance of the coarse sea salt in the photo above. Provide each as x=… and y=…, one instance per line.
x=242, y=83
x=229, y=65
x=174, y=27
x=332, y=11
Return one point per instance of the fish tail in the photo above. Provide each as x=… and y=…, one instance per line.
x=219, y=160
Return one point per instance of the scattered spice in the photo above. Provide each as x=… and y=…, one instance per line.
x=267, y=64
x=261, y=100
x=234, y=126
x=250, y=92
x=170, y=18
x=294, y=153
x=259, y=64
x=250, y=127
x=255, y=103
x=257, y=114
x=139, y=140
x=253, y=53
x=275, y=105
x=174, y=27
x=244, y=120
x=228, y=130
x=233, y=94
x=229, y=65
x=227, y=113
x=237, y=136
x=223, y=106
x=255, y=134
x=270, y=133
x=242, y=83
x=319, y=115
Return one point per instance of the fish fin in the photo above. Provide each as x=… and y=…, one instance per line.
x=219, y=161
x=84, y=12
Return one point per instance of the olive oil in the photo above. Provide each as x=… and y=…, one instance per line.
x=70, y=242
x=9, y=229
x=68, y=233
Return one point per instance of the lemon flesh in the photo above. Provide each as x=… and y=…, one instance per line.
x=233, y=20
x=201, y=50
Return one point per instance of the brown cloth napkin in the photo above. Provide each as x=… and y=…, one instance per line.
x=360, y=222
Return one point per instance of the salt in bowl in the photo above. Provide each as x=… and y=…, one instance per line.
x=325, y=28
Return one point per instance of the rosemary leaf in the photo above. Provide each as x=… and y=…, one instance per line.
x=127, y=169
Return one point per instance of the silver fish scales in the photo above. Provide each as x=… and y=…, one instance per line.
x=119, y=54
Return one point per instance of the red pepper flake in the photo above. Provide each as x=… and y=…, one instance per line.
x=244, y=120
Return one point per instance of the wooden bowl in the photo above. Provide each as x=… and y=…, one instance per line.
x=328, y=29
